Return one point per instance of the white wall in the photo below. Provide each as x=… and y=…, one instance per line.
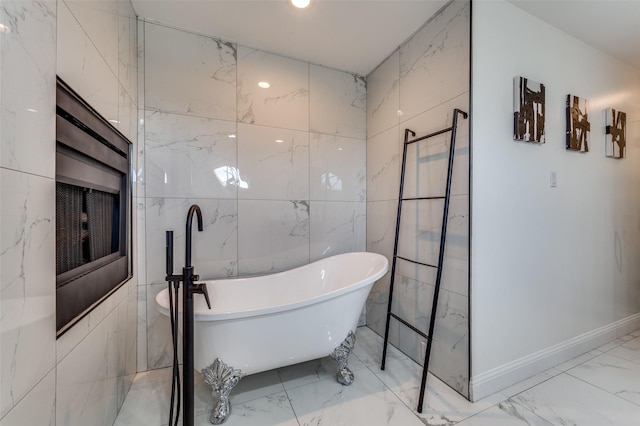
x=555, y=271
x=83, y=377
x=417, y=88
x=281, y=204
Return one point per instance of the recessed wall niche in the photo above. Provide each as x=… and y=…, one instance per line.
x=93, y=213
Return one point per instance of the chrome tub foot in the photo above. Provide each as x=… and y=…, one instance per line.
x=222, y=379
x=340, y=355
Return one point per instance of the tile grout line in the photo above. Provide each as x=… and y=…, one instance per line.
x=286, y=393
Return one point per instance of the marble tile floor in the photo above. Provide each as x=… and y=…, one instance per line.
x=601, y=387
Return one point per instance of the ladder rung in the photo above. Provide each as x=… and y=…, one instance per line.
x=423, y=334
x=424, y=198
x=448, y=129
x=416, y=262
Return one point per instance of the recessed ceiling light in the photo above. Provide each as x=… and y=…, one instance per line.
x=300, y=4
x=279, y=140
x=264, y=85
x=232, y=136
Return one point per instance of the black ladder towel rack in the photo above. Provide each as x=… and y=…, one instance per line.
x=443, y=236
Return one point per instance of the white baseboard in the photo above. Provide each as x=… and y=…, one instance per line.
x=499, y=378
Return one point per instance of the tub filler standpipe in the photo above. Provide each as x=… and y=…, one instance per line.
x=189, y=287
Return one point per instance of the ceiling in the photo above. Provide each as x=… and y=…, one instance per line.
x=348, y=35
x=357, y=35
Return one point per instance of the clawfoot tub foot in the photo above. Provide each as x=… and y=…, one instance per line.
x=341, y=355
x=222, y=379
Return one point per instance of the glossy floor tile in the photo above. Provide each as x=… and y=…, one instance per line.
x=594, y=389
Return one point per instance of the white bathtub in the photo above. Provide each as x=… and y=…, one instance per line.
x=266, y=322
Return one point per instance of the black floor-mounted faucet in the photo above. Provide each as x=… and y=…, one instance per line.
x=189, y=287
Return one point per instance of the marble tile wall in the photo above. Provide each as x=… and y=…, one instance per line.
x=418, y=87
x=92, y=46
x=279, y=173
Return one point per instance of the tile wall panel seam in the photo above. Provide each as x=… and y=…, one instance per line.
x=115, y=74
x=93, y=328
x=466, y=92
x=55, y=367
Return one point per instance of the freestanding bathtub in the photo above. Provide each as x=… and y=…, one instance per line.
x=261, y=323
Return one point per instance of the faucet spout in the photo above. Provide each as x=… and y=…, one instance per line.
x=193, y=209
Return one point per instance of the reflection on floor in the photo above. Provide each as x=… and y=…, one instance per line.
x=599, y=388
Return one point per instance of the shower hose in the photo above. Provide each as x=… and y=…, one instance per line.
x=175, y=382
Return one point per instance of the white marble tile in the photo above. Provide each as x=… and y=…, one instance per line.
x=338, y=168
x=315, y=370
x=377, y=307
x=615, y=343
x=86, y=384
x=384, y=162
x=189, y=157
x=505, y=413
x=530, y=382
x=127, y=362
x=28, y=86
x=158, y=332
x=269, y=410
x=149, y=397
x=148, y=400
x=365, y=402
x=188, y=73
x=73, y=336
x=138, y=80
x=37, y=408
x=256, y=386
x=428, y=160
x=565, y=400
x=615, y=375
x=567, y=365
x=141, y=339
x=82, y=67
x=140, y=170
x=383, y=103
x=126, y=61
x=285, y=103
x=380, y=238
x=449, y=358
x=434, y=63
x=273, y=236
x=140, y=254
x=450, y=350
x=336, y=227
x=419, y=239
x=273, y=163
x=214, y=250
x=337, y=102
x=27, y=295
x=369, y=347
x=629, y=350
x=99, y=20
x=442, y=404
x=125, y=114
x=133, y=56
x=381, y=226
